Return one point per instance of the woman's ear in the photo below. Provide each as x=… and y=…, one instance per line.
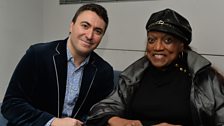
x=182, y=47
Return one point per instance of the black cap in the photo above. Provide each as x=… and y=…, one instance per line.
x=169, y=21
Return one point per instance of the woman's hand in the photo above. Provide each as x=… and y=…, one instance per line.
x=117, y=121
x=165, y=124
x=66, y=122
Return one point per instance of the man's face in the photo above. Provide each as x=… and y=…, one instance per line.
x=86, y=33
x=162, y=49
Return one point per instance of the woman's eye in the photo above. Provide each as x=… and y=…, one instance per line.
x=168, y=40
x=150, y=40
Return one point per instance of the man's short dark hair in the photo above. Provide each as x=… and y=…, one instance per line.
x=98, y=9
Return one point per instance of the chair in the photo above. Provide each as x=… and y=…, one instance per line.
x=3, y=121
x=116, y=76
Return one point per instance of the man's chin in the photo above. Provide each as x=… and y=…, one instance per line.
x=85, y=53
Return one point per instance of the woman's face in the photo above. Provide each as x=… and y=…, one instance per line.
x=162, y=48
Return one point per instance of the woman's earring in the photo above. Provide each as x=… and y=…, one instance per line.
x=181, y=55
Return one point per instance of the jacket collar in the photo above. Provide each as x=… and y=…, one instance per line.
x=61, y=47
x=196, y=62
x=134, y=72
x=60, y=63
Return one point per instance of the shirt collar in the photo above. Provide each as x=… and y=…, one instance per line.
x=70, y=58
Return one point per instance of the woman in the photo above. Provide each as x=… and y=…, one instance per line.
x=170, y=85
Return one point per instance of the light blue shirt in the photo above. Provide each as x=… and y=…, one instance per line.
x=74, y=79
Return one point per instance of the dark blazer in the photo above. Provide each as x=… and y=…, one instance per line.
x=37, y=88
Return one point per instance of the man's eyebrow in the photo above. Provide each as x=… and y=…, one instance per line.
x=85, y=22
x=98, y=28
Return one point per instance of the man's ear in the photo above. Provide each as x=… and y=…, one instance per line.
x=71, y=27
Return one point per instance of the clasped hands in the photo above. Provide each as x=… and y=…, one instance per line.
x=117, y=121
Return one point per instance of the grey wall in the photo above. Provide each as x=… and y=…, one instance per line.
x=127, y=21
x=20, y=25
x=24, y=22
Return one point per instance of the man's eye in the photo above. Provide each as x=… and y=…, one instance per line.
x=99, y=32
x=85, y=26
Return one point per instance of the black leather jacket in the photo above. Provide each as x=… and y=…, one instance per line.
x=207, y=92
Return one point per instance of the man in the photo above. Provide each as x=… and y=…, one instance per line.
x=56, y=83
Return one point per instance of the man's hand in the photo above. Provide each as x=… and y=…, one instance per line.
x=66, y=122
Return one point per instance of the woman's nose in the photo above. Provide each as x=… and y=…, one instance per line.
x=158, y=45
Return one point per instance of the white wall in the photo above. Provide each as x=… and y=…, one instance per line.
x=24, y=22
x=20, y=25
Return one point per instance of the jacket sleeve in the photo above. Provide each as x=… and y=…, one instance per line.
x=18, y=107
x=111, y=106
x=218, y=86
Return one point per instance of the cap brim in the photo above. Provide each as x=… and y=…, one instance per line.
x=168, y=29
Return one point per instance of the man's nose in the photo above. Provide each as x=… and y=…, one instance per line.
x=89, y=34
